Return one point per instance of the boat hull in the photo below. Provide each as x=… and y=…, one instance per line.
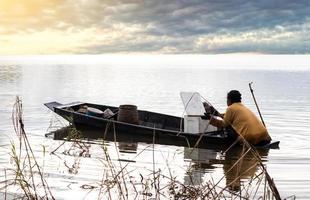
x=154, y=128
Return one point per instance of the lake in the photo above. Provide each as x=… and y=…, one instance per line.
x=154, y=83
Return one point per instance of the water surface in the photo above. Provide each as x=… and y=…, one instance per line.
x=283, y=97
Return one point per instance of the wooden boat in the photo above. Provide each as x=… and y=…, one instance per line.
x=152, y=127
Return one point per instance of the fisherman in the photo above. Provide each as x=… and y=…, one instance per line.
x=242, y=120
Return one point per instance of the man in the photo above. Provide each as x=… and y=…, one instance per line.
x=242, y=120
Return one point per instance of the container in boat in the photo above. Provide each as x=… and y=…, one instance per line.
x=94, y=112
x=128, y=113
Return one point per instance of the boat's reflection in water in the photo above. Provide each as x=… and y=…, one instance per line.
x=202, y=162
x=127, y=147
x=237, y=165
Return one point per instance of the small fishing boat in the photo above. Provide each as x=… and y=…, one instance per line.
x=129, y=123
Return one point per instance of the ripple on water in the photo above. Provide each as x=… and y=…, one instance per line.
x=283, y=98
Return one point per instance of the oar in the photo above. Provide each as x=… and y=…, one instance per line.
x=252, y=92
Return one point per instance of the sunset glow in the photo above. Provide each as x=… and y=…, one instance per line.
x=153, y=27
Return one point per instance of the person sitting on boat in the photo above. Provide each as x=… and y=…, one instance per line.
x=242, y=120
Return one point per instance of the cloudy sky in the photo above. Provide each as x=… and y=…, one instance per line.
x=154, y=26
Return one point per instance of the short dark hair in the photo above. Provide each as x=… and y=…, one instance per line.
x=234, y=96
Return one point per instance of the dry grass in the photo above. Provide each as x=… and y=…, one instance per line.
x=120, y=181
x=28, y=174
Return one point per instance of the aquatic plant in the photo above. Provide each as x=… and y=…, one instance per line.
x=27, y=173
x=120, y=181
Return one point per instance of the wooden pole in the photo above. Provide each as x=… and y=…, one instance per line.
x=252, y=92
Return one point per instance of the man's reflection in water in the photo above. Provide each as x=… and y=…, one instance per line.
x=236, y=171
x=202, y=161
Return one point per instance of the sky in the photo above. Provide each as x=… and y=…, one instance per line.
x=31, y=27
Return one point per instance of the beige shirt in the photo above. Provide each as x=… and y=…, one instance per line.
x=244, y=123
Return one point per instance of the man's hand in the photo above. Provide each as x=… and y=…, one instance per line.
x=206, y=116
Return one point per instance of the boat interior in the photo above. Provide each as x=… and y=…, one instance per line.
x=146, y=118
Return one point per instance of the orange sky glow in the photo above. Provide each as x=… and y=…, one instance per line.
x=44, y=27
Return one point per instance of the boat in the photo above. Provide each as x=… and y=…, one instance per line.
x=151, y=127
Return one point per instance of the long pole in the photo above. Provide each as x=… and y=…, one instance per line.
x=252, y=92
x=269, y=179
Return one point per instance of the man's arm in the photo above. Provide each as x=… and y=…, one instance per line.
x=218, y=122
x=222, y=123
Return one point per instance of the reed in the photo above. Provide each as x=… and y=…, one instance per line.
x=117, y=182
x=122, y=181
x=28, y=174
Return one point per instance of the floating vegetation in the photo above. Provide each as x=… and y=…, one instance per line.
x=119, y=180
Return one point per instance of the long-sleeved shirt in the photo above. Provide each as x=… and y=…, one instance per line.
x=244, y=122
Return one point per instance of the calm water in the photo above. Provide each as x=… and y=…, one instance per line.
x=283, y=96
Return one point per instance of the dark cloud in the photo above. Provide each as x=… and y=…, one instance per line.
x=183, y=26
x=145, y=45
x=203, y=17
x=189, y=20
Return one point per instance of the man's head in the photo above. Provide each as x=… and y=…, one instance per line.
x=234, y=96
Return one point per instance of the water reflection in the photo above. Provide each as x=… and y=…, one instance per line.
x=127, y=150
x=9, y=73
x=240, y=165
x=237, y=163
x=283, y=98
x=127, y=147
x=202, y=161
